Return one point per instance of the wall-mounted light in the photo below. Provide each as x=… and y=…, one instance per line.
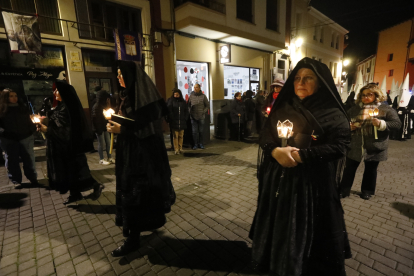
x=345, y=62
x=298, y=42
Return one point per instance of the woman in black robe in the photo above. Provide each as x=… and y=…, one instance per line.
x=68, y=139
x=299, y=228
x=144, y=192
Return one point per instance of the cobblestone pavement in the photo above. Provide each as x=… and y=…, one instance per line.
x=207, y=229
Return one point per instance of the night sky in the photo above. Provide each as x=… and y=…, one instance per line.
x=364, y=19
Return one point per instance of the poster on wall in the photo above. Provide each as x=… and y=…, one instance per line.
x=23, y=33
x=191, y=73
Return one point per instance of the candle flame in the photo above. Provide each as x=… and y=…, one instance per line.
x=35, y=119
x=108, y=113
x=268, y=110
x=376, y=111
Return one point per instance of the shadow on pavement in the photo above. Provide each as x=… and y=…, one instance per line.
x=203, y=255
x=405, y=209
x=12, y=200
x=199, y=154
x=94, y=209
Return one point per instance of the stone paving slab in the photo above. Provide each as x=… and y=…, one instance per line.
x=207, y=229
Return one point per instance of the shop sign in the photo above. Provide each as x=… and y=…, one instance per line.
x=30, y=74
x=225, y=54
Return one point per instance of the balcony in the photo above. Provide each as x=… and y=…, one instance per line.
x=216, y=5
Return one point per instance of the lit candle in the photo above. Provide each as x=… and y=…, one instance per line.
x=373, y=113
x=268, y=110
x=36, y=120
x=284, y=131
x=108, y=115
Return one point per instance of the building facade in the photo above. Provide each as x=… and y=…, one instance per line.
x=367, y=67
x=395, y=54
x=316, y=36
x=77, y=43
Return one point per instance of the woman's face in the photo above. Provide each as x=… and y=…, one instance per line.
x=13, y=97
x=306, y=83
x=57, y=95
x=176, y=95
x=239, y=97
x=367, y=96
x=277, y=89
x=121, y=79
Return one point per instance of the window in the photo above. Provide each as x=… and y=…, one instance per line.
x=105, y=16
x=335, y=70
x=390, y=57
x=245, y=10
x=321, y=38
x=271, y=15
x=333, y=40
x=337, y=42
x=47, y=8
x=391, y=73
x=315, y=32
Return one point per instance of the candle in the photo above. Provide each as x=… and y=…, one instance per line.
x=36, y=120
x=108, y=115
x=373, y=113
x=268, y=110
x=284, y=131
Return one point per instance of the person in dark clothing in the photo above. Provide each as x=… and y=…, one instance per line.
x=46, y=106
x=99, y=126
x=16, y=138
x=167, y=119
x=238, y=118
x=144, y=192
x=178, y=116
x=68, y=138
x=198, y=106
x=350, y=101
x=405, y=114
x=299, y=227
x=260, y=100
x=364, y=145
x=275, y=89
x=250, y=109
x=92, y=97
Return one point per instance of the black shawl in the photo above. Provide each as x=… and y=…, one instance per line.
x=302, y=229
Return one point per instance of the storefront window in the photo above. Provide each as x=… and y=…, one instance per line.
x=240, y=79
x=189, y=73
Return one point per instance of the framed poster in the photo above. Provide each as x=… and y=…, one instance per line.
x=106, y=85
x=92, y=84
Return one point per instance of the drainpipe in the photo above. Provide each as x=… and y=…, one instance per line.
x=173, y=43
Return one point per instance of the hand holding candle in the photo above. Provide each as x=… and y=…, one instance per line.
x=36, y=120
x=108, y=115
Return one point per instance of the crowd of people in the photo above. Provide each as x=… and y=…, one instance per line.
x=298, y=228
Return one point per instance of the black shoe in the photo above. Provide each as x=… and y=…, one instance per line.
x=97, y=190
x=130, y=245
x=73, y=198
x=365, y=196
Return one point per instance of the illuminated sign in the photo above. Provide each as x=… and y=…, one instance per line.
x=225, y=54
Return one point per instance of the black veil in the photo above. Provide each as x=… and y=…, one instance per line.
x=81, y=135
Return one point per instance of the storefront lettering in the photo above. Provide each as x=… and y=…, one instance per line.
x=33, y=75
x=41, y=74
x=10, y=74
x=46, y=75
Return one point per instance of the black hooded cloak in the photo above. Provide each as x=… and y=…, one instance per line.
x=144, y=192
x=68, y=138
x=301, y=231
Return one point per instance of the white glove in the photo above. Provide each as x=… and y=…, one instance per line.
x=400, y=112
x=412, y=111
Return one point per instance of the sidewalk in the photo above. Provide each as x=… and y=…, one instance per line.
x=207, y=229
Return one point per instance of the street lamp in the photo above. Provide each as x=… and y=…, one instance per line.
x=345, y=62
